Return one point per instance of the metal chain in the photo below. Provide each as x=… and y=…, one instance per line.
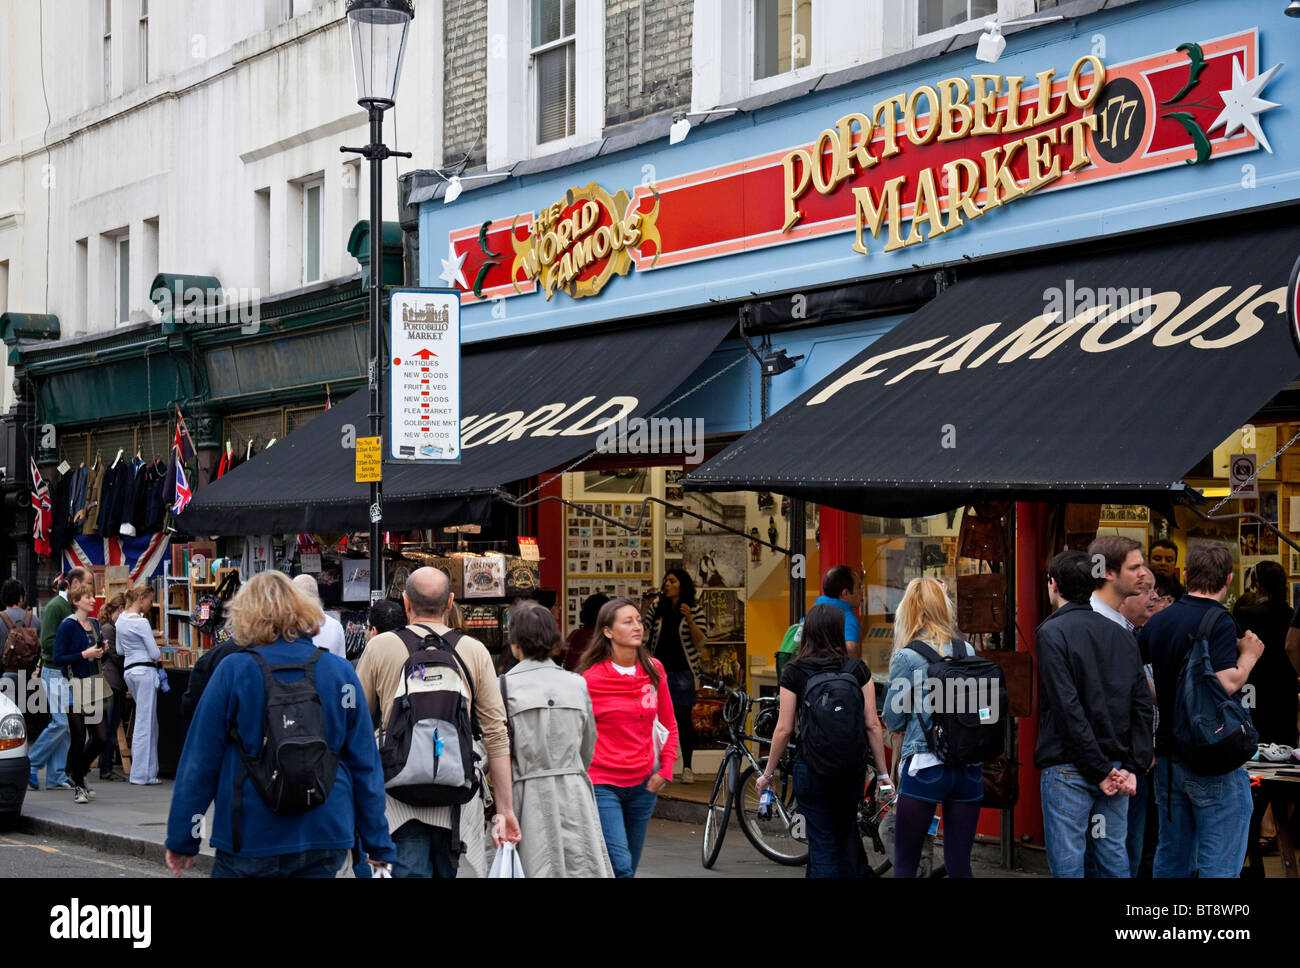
x=1258, y=471
x=590, y=454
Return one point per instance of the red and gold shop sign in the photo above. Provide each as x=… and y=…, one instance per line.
x=582, y=241
x=904, y=169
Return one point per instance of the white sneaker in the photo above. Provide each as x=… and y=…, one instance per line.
x=1274, y=752
x=80, y=795
x=688, y=776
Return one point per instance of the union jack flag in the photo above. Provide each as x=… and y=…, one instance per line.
x=183, y=493
x=44, y=513
x=143, y=555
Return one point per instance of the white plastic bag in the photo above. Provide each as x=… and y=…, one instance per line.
x=506, y=863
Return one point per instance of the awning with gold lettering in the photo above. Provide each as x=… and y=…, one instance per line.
x=528, y=407
x=1104, y=378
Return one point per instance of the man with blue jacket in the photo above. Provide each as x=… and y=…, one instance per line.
x=275, y=620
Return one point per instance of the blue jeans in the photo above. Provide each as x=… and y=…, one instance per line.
x=51, y=748
x=1079, y=820
x=309, y=863
x=624, y=816
x=1204, y=821
x=424, y=851
x=360, y=866
x=829, y=805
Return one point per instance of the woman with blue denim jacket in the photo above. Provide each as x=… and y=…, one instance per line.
x=925, y=782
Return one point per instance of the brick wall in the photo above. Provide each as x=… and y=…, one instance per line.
x=465, y=49
x=639, y=83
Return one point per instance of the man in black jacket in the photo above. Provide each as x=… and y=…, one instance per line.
x=1094, y=725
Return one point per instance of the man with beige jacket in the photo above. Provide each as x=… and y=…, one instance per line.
x=423, y=836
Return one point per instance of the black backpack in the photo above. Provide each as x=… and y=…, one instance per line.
x=427, y=745
x=294, y=770
x=832, y=722
x=1213, y=732
x=966, y=698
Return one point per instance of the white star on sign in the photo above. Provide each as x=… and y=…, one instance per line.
x=453, y=267
x=1242, y=105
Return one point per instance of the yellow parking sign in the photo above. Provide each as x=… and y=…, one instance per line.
x=369, y=452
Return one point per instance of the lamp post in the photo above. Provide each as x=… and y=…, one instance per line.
x=378, y=30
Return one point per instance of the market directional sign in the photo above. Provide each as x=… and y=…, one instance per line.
x=424, y=383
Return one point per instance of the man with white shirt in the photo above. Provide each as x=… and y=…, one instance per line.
x=331, y=636
x=1117, y=571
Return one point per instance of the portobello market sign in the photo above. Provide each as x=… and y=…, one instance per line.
x=893, y=173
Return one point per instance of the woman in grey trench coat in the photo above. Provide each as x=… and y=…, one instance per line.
x=553, y=736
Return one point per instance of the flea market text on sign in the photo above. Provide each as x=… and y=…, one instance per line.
x=424, y=386
x=369, y=466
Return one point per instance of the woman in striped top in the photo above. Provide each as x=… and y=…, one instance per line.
x=676, y=627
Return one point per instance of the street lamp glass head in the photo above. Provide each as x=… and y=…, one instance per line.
x=1293, y=8
x=454, y=188
x=991, y=44
x=379, y=30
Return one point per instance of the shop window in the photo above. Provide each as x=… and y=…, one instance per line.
x=552, y=55
x=782, y=36
x=934, y=15
x=631, y=481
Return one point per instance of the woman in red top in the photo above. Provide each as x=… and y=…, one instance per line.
x=624, y=683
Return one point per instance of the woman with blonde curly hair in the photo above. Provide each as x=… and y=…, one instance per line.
x=926, y=615
x=275, y=622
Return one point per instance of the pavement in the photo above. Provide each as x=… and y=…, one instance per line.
x=131, y=821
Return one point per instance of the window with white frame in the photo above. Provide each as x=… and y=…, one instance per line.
x=311, y=231
x=122, y=280
x=144, y=42
x=552, y=56
x=937, y=15
x=782, y=36
x=108, y=49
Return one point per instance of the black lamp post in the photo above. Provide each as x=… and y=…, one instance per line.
x=379, y=30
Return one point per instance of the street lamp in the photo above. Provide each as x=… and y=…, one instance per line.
x=378, y=30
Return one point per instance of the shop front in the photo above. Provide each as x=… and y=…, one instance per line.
x=1054, y=281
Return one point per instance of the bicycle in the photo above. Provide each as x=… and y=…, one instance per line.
x=779, y=836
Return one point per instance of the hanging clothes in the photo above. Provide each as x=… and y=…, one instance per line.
x=130, y=511
x=76, y=498
x=111, y=500
x=155, y=509
x=94, y=493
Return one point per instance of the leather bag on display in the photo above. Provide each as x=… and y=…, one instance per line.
x=982, y=603
x=984, y=531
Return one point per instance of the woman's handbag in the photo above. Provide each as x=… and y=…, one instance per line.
x=982, y=603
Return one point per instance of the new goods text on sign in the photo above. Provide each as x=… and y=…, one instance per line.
x=424, y=385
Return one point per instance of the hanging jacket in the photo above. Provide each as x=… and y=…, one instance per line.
x=94, y=494
x=111, y=503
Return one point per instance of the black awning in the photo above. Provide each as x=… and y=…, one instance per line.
x=1016, y=384
x=525, y=409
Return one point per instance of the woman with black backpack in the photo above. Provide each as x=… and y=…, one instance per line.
x=926, y=614
x=839, y=735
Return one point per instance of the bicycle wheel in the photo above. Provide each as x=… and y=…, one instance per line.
x=781, y=836
x=717, y=818
x=877, y=836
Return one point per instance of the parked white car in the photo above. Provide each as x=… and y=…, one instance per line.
x=14, y=764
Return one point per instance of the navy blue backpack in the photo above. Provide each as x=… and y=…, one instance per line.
x=1213, y=731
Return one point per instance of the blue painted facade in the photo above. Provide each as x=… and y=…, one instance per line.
x=731, y=402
